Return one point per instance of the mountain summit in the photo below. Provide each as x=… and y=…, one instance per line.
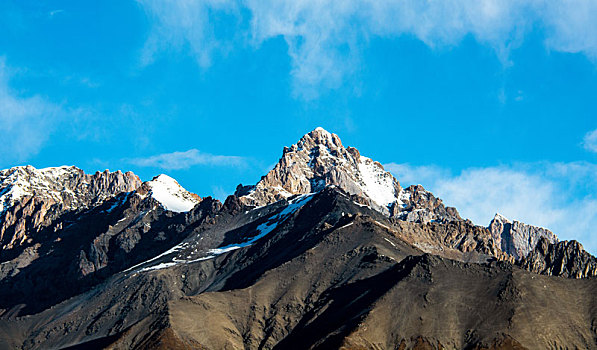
x=319, y=160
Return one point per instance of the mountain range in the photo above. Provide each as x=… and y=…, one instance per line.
x=327, y=250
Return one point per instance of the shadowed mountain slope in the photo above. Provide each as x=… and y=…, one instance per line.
x=308, y=258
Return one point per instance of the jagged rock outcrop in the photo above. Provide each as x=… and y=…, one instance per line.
x=517, y=238
x=31, y=198
x=420, y=205
x=320, y=160
x=565, y=258
x=459, y=240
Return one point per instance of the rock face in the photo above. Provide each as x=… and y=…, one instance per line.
x=319, y=160
x=459, y=240
x=517, y=238
x=31, y=199
x=420, y=205
x=565, y=258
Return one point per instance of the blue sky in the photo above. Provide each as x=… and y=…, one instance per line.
x=490, y=104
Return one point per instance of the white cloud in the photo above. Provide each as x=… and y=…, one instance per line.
x=25, y=122
x=185, y=160
x=559, y=196
x=571, y=26
x=417, y=175
x=590, y=141
x=55, y=12
x=325, y=38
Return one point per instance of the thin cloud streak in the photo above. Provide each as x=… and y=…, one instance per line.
x=186, y=159
x=590, y=141
x=25, y=122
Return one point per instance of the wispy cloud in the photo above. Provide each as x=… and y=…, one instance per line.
x=559, y=196
x=326, y=38
x=185, y=160
x=25, y=121
x=590, y=141
x=220, y=193
x=417, y=175
x=183, y=24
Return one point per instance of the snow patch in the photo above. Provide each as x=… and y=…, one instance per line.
x=392, y=243
x=117, y=202
x=345, y=226
x=404, y=197
x=377, y=183
x=158, y=266
x=169, y=251
x=171, y=195
x=382, y=225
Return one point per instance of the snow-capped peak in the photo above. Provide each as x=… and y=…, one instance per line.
x=319, y=160
x=501, y=218
x=171, y=195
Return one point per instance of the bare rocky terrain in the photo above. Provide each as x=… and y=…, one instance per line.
x=327, y=251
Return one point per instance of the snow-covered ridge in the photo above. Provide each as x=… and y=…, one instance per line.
x=171, y=195
x=67, y=185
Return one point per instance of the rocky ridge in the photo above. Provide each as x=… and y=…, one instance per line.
x=80, y=250
x=565, y=258
x=31, y=198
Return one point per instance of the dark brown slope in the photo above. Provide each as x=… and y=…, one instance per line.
x=92, y=246
x=332, y=274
